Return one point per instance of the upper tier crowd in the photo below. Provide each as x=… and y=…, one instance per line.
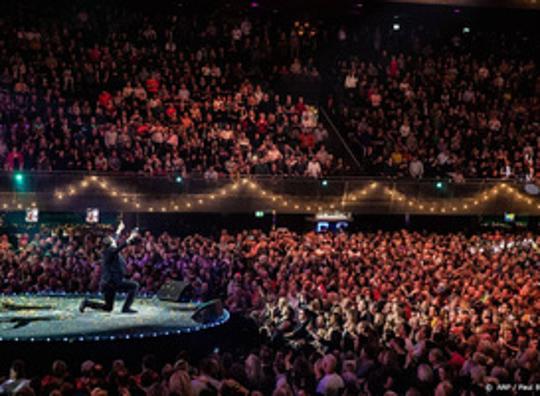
x=199, y=97
x=157, y=94
x=463, y=107
x=339, y=314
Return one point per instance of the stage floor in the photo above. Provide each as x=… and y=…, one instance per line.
x=57, y=318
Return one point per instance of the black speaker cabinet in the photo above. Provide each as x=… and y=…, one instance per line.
x=176, y=291
x=208, y=312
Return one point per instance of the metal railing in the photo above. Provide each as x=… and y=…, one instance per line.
x=152, y=184
x=59, y=191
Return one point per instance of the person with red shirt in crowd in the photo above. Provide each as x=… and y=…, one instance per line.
x=105, y=99
x=152, y=85
x=393, y=69
x=307, y=139
x=300, y=106
x=171, y=112
x=262, y=123
x=14, y=160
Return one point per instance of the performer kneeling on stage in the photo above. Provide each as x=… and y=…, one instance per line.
x=113, y=268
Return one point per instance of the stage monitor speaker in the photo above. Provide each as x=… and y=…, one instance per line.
x=208, y=312
x=177, y=291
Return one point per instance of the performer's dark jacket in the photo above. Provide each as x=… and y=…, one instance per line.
x=113, y=265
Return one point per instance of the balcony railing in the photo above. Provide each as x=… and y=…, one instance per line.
x=59, y=191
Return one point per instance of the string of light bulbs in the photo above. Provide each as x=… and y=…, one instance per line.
x=131, y=199
x=290, y=203
x=471, y=202
x=178, y=205
x=285, y=202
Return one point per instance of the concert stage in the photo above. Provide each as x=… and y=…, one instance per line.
x=56, y=318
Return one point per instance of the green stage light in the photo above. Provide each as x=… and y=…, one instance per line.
x=324, y=183
x=19, y=177
x=439, y=185
x=179, y=179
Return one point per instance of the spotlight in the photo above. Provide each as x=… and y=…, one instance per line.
x=19, y=181
x=439, y=185
x=396, y=27
x=466, y=30
x=179, y=179
x=324, y=183
x=19, y=177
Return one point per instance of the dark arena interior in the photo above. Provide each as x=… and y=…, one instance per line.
x=269, y=198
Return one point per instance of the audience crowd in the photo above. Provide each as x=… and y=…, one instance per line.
x=369, y=313
x=467, y=106
x=366, y=313
x=156, y=94
x=198, y=96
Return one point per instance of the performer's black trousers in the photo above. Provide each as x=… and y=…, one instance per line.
x=109, y=291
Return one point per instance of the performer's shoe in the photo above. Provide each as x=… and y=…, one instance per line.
x=129, y=311
x=83, y=305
